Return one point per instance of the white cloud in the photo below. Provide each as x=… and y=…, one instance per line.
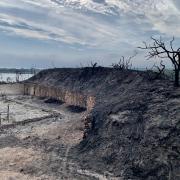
x=155, y=12
x=63, y=26
x=111, y=26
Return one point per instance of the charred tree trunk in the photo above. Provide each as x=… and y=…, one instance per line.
x=161, y=50
x=176, y=82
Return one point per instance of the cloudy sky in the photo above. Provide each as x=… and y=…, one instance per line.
x=63, y=33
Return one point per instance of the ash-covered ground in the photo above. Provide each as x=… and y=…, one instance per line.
x=38, y=148
x=130, y=132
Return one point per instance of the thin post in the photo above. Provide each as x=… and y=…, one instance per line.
x=8, y=113
x=0, y=119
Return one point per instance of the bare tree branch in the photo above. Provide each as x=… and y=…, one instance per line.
x=124, y=63
x=161, y=50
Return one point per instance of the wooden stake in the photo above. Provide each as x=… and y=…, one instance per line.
x=8, y=113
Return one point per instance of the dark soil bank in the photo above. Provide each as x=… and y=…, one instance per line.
x=133, y=130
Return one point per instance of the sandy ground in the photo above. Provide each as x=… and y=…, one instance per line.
x=18, y=111
x=40, y=150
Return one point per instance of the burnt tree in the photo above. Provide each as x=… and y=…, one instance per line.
x=124, y=63
x=160, y=49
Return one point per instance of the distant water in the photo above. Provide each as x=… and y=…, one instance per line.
x=12, y=77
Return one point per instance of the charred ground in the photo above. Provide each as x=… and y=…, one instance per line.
x=133, y=129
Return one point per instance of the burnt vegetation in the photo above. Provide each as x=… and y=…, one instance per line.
x=165, y=50
x=124, y=63
x=156, y=72
x=54, y=101
x=76, y=109
x=90, y=70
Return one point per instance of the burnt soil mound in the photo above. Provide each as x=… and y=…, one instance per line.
x=134, y=127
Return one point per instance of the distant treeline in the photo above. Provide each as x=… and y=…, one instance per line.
x=19, y=71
